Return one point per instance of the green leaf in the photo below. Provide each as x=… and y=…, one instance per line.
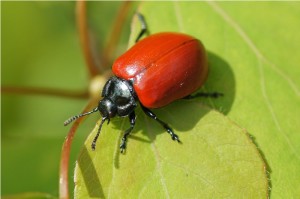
x=253, y=50
x=216, y=159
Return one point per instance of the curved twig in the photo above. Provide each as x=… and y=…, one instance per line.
x=115, y=34
x=65, y=155
x=45, y=91
x=85, y=41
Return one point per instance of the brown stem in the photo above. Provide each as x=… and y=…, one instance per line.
x=85, y=40
x=65, y=155
x=115, y=34
x=45, y=91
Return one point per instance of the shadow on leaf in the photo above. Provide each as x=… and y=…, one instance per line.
x=90, y=175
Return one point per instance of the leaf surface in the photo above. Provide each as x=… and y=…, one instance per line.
x=253, y=50
x=216, y=159
x=253, y=54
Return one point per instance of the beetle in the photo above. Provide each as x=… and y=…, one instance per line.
x=156, y=71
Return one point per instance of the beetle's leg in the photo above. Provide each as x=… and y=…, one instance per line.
x=98, y=133
x=128, y=131
x=143, y=24
x=212, y=95
x=166, y=126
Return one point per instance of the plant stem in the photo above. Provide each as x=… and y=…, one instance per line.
x=65, y=155
x=92, y=63
x=115, y=33
x=45, y=91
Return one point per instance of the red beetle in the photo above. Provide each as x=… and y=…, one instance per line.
x=156, y=71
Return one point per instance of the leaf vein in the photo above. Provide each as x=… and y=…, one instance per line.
x=178, y=16
x=158, y=162
x=252, y=46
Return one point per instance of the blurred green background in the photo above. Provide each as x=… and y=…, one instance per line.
x=40, y=48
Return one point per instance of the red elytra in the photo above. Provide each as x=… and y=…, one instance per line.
x=163, y=67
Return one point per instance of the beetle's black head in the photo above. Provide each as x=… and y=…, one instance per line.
x=107, y=108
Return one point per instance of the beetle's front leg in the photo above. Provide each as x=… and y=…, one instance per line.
x=128, y=131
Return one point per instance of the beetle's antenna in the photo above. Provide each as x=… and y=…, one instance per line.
x=71, y=119
x=98, y=133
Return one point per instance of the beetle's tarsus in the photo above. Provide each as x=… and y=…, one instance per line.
x=175, y=137
x=93, y=146
x=123, y=145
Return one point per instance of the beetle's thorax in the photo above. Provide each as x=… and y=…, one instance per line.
x=118, y=98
